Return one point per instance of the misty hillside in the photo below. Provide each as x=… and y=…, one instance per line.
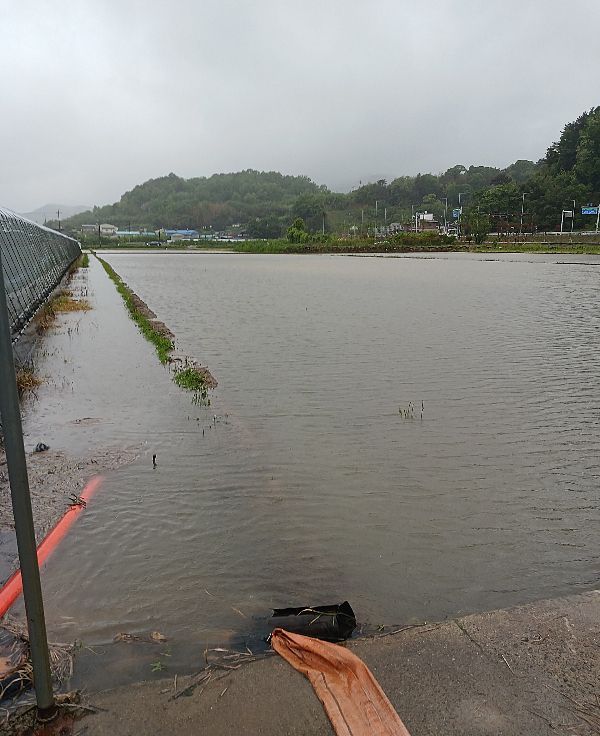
x=266, y=202
x=48, y=212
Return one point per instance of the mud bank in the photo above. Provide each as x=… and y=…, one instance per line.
x=53, y=477
x=530, y=670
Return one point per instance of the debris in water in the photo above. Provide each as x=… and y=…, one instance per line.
x=153, y=461
x=122, y=636
x=41, y=447
x=157, y=636
x=330, y=623
x=75, y=500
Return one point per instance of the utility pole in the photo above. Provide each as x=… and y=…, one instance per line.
x=445, y=200
x=522, y=210
x=21, y=503
x=58, y=218
x=460, y=212
x=598, y=217
x=572, y=217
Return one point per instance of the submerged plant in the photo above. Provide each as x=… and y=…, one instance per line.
x=409, y=412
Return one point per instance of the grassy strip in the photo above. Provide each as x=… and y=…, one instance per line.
x=84, y=260
x=163, y=345
x=547, y=247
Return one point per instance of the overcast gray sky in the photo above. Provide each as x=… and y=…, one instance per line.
x=100, y=95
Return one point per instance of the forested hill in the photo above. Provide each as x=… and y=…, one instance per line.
x=266, y=202
x=215, y=201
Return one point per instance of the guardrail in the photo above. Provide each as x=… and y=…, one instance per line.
x=34, y=260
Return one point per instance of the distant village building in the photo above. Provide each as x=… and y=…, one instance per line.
x=108, y=230
x=182, y=234
x=426, y=221
x=388, y=230
x=134, y=233
x=89, y=228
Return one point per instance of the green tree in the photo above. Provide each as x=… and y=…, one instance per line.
x=475, y=224
x=296, y=232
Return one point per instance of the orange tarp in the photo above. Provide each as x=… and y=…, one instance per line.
x=352, y=697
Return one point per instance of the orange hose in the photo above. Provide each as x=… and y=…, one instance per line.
x=352, y=697
x=13, y=587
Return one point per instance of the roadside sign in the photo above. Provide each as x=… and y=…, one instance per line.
x=457, y=212
x=568, y=213
x=589, y=210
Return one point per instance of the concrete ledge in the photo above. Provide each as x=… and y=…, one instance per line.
x=520, y=671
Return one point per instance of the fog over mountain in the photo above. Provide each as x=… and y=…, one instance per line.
x=101, y=95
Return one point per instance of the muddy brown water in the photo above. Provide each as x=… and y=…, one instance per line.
x=303, y=483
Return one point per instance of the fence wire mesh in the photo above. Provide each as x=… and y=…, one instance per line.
x=34, y=260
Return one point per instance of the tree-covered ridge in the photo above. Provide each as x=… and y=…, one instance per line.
x=215, y=201
x=266, y=203
x=570, y=172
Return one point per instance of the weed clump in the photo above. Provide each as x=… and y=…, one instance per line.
x=26, y=380
x=193, y=378
x=64, y=302
x=45, y=318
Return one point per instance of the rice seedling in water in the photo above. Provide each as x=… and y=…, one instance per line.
x=409, y=412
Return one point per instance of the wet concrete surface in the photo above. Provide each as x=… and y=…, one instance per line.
x=529, y=670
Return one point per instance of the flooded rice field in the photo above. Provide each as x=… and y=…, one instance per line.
x=418, y=436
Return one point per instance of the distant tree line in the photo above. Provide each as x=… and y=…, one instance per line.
x=268, y=203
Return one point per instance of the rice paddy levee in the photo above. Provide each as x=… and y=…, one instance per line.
x=188, y=373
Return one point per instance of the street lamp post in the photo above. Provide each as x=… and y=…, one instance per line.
x=572, y=217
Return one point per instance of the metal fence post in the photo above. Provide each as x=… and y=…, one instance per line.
x=21, y=502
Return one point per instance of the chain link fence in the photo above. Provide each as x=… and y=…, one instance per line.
x=34, y=260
